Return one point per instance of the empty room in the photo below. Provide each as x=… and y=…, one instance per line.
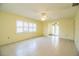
x=39, y=29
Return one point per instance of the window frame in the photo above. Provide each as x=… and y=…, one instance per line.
x=32, y=27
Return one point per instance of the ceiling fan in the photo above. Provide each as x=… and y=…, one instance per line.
x=44, y=16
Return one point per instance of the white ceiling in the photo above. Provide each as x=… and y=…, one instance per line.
x=34, y=10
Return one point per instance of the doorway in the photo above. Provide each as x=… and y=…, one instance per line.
x=55, y=29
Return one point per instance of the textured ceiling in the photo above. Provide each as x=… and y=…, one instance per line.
x=34, y=10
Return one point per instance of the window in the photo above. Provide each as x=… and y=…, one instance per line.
x=32, y=27
x=25, y=27
x=22, y=26
x=19, y=25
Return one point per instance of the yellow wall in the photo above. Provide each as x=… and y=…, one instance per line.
x=77, y=30
x=66, y=28
x=8, y=26
x=0, y=29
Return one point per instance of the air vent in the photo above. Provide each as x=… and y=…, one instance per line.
x=75, y=4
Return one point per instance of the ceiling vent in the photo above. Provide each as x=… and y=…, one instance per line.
x=75, y=4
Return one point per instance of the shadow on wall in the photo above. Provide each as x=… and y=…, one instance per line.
x=78, y=54
x=0, y=52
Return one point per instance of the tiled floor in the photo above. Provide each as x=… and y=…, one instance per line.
x=42, y=46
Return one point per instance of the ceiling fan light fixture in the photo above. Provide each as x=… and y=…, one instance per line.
x=44, y=16
x=43, y=19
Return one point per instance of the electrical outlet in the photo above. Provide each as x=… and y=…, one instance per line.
x=8, y=37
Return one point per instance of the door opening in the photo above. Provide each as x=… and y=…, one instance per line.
x=55, y=29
